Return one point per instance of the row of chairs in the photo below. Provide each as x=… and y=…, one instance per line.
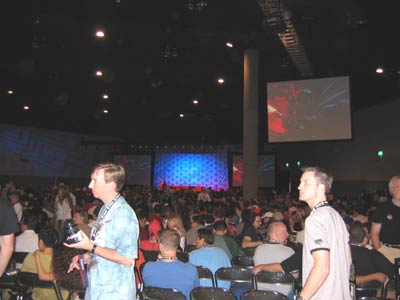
x=21, y=283
x=207, y=293
x=240, y=274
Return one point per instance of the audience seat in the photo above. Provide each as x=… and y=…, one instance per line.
x=208, y=293
x=156, y=293
x=263, y=295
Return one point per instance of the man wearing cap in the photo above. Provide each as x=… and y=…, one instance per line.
x=326, y=252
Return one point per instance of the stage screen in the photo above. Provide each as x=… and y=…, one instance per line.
x=137, y=168
x=309, y=110
x=265, y=170
x=187, y=169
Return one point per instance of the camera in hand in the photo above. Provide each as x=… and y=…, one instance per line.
x=72, y=232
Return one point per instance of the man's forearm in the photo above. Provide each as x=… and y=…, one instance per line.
x=114, y=256
x=314, y=282
x=6, y=251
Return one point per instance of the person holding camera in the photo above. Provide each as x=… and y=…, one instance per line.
x=111, y=249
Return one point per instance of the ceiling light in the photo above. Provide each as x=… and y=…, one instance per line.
x=379, y=70
x=10, y=92
x=26, y=107
x=196, y=5
x=105, y=111
x=100, y=33
x=105, y=96
x=221, y=80
x=99, y=73
x=181, y=115
x=195, y=101
x=229, y=44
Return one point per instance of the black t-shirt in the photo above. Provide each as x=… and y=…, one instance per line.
x=388, y=215
x=370, y=261
x=292, y=263
x=8, y=219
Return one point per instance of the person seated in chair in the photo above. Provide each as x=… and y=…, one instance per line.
x=208, y=256
x=370, y=265
x=168, y=271
x=40, y=262
x=274, y=250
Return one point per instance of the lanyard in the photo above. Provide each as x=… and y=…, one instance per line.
x=320, y=204
x=101, y=219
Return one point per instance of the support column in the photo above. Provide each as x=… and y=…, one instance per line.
x=250, y=124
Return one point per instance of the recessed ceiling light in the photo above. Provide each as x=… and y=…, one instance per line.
x=379, y=70
x=10, y=92
x=181, y=115
x=105, y=111
x=26, y=107
x=195, y=101
x=99, y=73
x=100, y=33
x=105, y=96
x=221, y=80
x=229, y=44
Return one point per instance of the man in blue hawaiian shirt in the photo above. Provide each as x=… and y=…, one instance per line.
x=112, y=245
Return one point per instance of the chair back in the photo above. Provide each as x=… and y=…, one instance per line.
x=27, y=280
x=352, y=282
x=397, y=277
x=274, y=278
x=207, y=293
x=18, y=257
x=276, y=281
x=243, y=261
x=234, y=274
x=156, y=293
x=263, y=295
x=205, y=273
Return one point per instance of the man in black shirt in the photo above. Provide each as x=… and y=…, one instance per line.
x=370, y=265
x=8, y=227
x=386, y=223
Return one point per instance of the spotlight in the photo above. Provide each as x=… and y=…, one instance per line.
x=100, y=34
x=10, y=92
x=99, y=73
x=105, y=111
x=229, y=44
x=105, y=96
x=221, y=80
x=195, y=101
x=379, y=70
x=26, y=107
x=181, y=115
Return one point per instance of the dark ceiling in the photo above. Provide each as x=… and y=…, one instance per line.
x=158, y=55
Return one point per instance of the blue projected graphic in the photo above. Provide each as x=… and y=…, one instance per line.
x=207, y=170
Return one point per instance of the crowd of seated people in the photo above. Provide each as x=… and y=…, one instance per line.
x=204, y=221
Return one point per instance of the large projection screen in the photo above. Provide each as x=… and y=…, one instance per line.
x=187, y=169
x=137, y=168
x=309, y=110
x=265, y=170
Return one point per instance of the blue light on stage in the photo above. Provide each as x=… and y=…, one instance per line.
x=207, y=170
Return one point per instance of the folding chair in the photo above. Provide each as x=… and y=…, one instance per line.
x=263, y=295
x=156, y=293
x=205, y=273
x=281, y=282
x=243, y=261
x=207, y=293
x=27, y=281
